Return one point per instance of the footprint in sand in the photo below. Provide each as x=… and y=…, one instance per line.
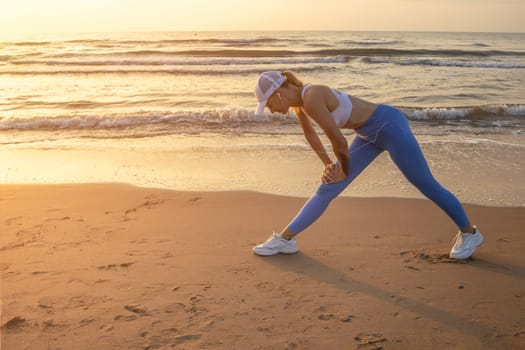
x=17, y=220
x=347, y=318
x=185, y=338
x=190, y=288
x=369, y=340
x=265, y=286
x=327, y=316
x=138, y=309
x=163, y=341
x=140, y=241
x=320, y=252
x=106, y=327
x=194, y=306
x=27, y=236
x=414, y=256
x=148, y=204
x=194, y=294
x=242, y=268
x=64, y=218
x=175, y=308
x=126, y=318
x=33, y=232
x=39, y=272
x=266, y=328
x=117, y=266
x=193, y=200
x=50, y=324
x=14, y=324
x=86, y=321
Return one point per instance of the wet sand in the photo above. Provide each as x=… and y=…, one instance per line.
x=478, y=169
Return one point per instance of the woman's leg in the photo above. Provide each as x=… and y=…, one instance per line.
x=361, y=154
x=407, y=155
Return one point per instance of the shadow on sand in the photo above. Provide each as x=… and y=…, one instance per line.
x=314, y=269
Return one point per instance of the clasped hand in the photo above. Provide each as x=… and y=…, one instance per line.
x=332, y=174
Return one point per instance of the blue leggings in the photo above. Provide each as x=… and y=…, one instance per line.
x=386, y=129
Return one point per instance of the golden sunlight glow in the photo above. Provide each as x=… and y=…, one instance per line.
x=59, y=16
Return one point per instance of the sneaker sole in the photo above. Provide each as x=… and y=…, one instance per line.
x=273, y=252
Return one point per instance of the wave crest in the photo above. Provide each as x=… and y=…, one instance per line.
x=228, y=118
x=486, y=112
x=444, y=62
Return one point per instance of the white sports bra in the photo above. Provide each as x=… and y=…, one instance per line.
x=343, y=111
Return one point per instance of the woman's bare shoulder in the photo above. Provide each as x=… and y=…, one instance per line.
x=315, y=92
x=316, y=88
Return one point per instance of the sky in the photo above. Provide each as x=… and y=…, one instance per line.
x=76, y=16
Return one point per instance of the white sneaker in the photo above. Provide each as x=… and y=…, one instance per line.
x=465, y=244
x=276, y=244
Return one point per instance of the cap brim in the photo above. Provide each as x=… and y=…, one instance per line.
x=260, y=107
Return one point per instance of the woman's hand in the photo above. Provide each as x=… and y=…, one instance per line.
x=332, y=174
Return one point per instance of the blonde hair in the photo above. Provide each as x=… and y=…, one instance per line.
x=291, y=78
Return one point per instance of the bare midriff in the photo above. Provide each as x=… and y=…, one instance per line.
x=361, y=111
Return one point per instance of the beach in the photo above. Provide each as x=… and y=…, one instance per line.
x=135, y=180
x=479, y=169
x=114, y=266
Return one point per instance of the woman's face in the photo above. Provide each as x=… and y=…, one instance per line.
x=277, y=103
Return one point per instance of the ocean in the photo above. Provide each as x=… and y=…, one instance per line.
x=194, y=91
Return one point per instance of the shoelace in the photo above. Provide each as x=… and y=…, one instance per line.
x=458, y=240
x=272, y=237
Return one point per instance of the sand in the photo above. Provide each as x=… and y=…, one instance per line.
x=476, y=169
x=113, y=266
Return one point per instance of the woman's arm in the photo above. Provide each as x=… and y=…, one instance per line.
x=315, y=107
x=311, y=136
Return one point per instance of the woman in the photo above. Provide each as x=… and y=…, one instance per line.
x=378, y=128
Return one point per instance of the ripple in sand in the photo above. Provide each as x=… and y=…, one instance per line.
x=432, y=258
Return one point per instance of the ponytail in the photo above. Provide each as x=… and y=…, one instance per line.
x=291, y=78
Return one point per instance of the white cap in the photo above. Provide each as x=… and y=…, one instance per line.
x=266, y=85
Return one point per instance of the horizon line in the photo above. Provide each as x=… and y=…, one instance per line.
x=265, y=30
